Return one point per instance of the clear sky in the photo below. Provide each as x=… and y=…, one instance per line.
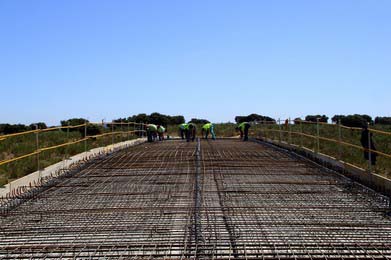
x=206, y=59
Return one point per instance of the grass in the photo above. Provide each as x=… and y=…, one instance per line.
x=20, y=145
x=342, y=152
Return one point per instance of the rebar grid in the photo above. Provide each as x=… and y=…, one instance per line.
x=225, y=200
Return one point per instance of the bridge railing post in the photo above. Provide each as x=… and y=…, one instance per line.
x=279, y=130
x=128, y=136
x=67, y=147
x=37, y=149
x=369, y=150
x=301, y=133
x=85, y=136
x=339, y=140
x=112, y=132
x=134, y=129
x=317, y=136
x=122, y=131
x=290, y=131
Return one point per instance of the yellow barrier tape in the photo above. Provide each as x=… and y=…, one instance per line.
x=62, y=145
x=40, y=130
x=333, y=140
x=310, y=122
x=84, y=139
x=117, y=123
x=18, y=158
x=62, y=127
x=379, y=131
x=4, y=137
x=351, y=128
x=21, y=133
x=117, y=132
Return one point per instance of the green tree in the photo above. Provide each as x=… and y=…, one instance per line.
x=199, y=121
x=383, y=120
x=41, y=125
x=313, y=118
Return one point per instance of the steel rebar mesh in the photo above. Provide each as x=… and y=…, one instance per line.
x=230, y=200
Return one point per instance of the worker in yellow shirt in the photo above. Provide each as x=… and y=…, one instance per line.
x=160, y=132
x=182, y=129
x=208, y=128
x=243, y=128
x=191, y=131
x=151, y=132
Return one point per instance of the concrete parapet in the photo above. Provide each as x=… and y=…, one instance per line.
x=371, y=180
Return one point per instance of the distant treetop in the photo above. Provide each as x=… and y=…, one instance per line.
x=253, y=118
x=199, y=121
x=383, y=120
x=355, y=120
x=155, y=118
x=313, y=118
x=73, y=122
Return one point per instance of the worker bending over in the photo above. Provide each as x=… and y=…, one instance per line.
x=182, y=128
x=151, y=132
x=190, y=132
x=243, y=128
x=208, y=128
x=160, y=131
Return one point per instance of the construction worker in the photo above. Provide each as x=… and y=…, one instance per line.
x=182, y=128
x=190, y=132
x=368, y=144
x=243, y=128
x=208, y=128
x=160, y=132
x=151, y=132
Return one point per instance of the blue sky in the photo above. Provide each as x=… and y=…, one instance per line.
x=205, y=59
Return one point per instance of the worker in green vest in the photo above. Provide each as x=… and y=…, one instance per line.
x=151, y=132
x=160, y=132
x=208, y=128
x=190, y=132
x=243, y=128
x=182, y=128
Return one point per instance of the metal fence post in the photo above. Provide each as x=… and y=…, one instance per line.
x=112, y=133
x=279, y=130
x=265, y=129
x=369, y=150
x=37, y=149
x=290, y=130
x=301, y=133
x=122, y=132
x=339, y=140
x=85, y=136
x=317, y=136
x=67, y=147
x=128, y=131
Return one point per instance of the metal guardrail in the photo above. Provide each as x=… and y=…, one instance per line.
x=38, y=150
x=275, y=131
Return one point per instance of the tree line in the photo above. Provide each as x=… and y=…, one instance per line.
x=355, y=120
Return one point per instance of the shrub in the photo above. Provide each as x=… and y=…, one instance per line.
x=253, y=118
x=355, y=120
x=383, y=120
x=199, y=121
x=313, y=118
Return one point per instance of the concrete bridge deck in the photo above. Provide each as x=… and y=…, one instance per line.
x=226, y=200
